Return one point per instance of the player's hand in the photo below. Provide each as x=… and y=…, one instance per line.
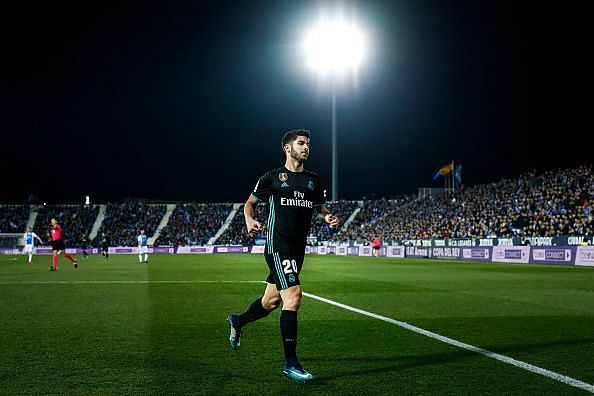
x=332, y=220
x=253, y=227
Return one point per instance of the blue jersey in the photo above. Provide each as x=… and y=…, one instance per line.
x=142, y=239
x=29, y=238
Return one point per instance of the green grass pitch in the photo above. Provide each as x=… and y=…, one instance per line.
x=121, y=327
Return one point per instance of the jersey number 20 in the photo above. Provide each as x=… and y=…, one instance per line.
x=287, y=264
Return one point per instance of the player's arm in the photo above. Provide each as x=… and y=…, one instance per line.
x=37, y=237
x=325, y=215
x=262, y=192
x=249, y=211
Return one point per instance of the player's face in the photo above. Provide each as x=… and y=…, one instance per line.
x=53, y=221
x=300, y=148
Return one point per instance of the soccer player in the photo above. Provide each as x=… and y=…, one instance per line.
x=142, y=247
x=104, y=246
x=292, y=194
x=59, y=246
x=377, y=245
x=85, y=246
x=30, y=237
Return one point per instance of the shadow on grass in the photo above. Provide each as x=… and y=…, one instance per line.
x=351, y=365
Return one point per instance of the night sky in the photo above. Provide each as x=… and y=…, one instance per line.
x=188, y=100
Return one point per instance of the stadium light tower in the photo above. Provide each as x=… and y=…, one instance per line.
x=333, y=49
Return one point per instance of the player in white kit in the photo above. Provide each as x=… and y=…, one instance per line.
x=29, y=238
x=142, y=247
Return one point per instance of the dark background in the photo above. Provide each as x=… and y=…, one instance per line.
x=188, y=100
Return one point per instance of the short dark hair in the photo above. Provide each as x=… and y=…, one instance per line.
x=290, y=136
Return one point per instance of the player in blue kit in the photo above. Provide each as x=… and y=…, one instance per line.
x=292, y=194
x=29, y=238
x=142, y=247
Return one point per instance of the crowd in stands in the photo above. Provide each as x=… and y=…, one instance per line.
x=369, y=223
x=76, y=221
x=194, y=224
x=13, y=219
x=321, y=231
x=123, y=222
x=236, y=233
x=552, y=203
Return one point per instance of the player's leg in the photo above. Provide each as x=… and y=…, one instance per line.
x=288, y=320
x=261, y=307
x=258, y=309
x=288, y=268
x=140, y=254
x=54, y=265
x=28, y=250
x=145, y=254
x=68, y=255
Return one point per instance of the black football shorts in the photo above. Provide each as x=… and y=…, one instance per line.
x=58, y=244
x=284, y=269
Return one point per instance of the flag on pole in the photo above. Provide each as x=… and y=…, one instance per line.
x=444, y=170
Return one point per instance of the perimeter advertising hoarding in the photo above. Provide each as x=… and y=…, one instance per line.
x=555, y=255
x=477, y=253
x=195, y=249
x=563, y=255
x=511, y=254
x=395, y=251
x=585, y=256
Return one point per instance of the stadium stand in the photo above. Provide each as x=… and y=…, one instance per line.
x=194, y=223
x=552, y=203
x=13, y=219
x=236, y=233
x=367, y=225
x=76, y=221
x=123, y=222
x=321, y=231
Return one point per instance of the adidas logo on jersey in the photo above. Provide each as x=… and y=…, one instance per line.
x=284, y=184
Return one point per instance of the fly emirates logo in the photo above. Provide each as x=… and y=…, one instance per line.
x=297, y=200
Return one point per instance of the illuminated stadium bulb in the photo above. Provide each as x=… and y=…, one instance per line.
x=334, y=47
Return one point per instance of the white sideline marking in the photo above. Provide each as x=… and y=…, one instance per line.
x=535, y=369
x=120, y=282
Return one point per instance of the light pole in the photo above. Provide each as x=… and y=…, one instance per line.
x=334, y=49
x=334, y=144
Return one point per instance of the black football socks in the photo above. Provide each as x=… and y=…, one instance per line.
x=254, y=312
x=288, y=325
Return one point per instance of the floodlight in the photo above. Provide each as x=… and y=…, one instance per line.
x=334, y=47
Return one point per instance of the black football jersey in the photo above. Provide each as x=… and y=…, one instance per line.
x=292, y=197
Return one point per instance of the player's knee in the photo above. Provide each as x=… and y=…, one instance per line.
x=271, y=303
x=292, y=301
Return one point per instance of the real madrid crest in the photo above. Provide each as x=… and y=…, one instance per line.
x=310, y=185
x=283, y=177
